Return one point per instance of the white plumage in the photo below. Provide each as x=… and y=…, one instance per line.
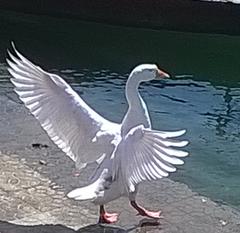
x=126, y=153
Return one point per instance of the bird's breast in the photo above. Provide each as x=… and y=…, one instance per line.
x=136, y=116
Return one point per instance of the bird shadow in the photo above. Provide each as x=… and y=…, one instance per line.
x=6, y=227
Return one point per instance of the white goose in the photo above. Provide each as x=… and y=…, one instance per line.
x=126, y=153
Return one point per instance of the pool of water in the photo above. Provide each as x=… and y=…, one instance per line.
x=203, y=96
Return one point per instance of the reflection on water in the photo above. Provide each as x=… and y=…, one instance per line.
x=206, y=101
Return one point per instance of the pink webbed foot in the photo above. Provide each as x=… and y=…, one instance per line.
x=150, y=214
x=146, y=213
x=107, y=217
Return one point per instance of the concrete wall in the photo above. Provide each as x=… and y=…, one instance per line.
x=186, y=15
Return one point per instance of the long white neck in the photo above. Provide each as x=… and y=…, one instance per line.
x=137, y=110
x=131, y=91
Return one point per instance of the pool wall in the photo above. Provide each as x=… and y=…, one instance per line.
x=184, y=15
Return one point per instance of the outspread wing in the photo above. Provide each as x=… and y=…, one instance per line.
x=146, y=154
x=71, y=124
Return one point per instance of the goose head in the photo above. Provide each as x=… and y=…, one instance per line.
x=148, y=72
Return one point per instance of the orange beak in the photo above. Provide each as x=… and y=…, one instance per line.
x=161, y=74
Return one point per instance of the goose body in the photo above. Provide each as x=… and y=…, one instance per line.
x=126, y=154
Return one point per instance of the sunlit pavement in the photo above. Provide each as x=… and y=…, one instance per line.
x=35, y=177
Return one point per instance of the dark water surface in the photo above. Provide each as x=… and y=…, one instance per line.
x=96, y=59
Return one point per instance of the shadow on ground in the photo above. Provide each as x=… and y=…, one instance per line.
x=145, y=224
x=6, y=227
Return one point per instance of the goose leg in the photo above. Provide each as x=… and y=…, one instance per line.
x=144, y=212
x=107, y=217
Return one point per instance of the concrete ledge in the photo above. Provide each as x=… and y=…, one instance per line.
x=29, y=199
x=184, y=15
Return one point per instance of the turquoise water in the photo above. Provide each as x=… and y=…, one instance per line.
x=203, y=96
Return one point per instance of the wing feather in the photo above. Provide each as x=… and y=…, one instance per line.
x=68, y=120
x=145, y=154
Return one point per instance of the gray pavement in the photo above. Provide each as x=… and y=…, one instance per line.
x=34, y=180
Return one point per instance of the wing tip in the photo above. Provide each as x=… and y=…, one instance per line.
x=182, y=132
x=13, y=44
x=185, y=143
x=14, y=47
